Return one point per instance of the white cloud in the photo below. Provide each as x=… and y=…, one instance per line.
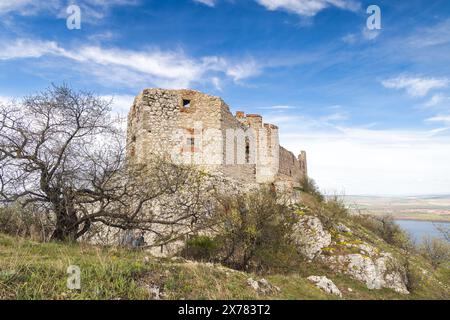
x=170, y=69
x=350, y=38
x=436, y=100
x=4, y=99
x=416, y=86
x=243, y=70
x=280, y=107
x=169, y=65
x=23, y=48
x=26, y=7
x=335, y=117
x=121, y=104
x=210, y=3
x=91, y=10
x=444, y=119
x=370, y=34
x=308, y=7
x=365, y=161
x=436, y=35
x=364, y=35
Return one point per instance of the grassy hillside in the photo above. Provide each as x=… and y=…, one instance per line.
x=30, y=270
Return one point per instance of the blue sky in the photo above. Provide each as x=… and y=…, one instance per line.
x=371, y=108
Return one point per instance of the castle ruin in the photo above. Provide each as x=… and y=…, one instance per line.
x=196, y=128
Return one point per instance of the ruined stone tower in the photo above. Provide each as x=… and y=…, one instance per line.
x=199, y=129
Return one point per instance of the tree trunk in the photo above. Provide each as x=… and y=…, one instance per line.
x=66, y=229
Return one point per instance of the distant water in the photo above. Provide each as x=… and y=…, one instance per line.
x=420, y=229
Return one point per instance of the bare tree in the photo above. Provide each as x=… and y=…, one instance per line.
x=62, y=150
x=437, y=251
x=444, y=230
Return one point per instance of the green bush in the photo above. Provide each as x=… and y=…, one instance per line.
x=412, y=275
x=254, y=231
x=386, y=228
x=202, y=248
x=309, y=186
x=329, y=210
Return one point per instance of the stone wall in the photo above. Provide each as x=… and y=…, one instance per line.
x=292, y=167
x=196, y=128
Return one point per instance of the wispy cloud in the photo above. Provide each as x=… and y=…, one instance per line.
x=210, y=3
x=23, y=48
x=162, y=68
x=243, y=70
x=280, y=107
x=363, y=36
x=430, y=36
x=445, y=119
x=416, y=86
x=335, y=117
x=308, y=8
x=437, y=100
x=27, y=7
x=92, y=10
x=120, y=103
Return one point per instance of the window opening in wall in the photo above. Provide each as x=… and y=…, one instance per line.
x=190, y=142
x=247, y=150
x=186, y=103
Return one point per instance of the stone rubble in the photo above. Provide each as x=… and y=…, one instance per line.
x=263, y=286
x=325, y=284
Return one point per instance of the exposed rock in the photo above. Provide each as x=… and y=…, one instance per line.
x=253, y=284
x=376, y=273
x=155, y=292
x=325, y=284
x=263, y=286
x=343, y=228
x=359, y=260
x=310, y=237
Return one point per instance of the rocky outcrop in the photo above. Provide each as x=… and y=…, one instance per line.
x=263, y=286
x=345, y=254
x=376, y=272
x=310, y=237
x=325, y=284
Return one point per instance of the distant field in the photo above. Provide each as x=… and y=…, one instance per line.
x=430, y=208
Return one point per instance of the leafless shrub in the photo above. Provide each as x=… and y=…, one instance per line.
x=30, y=223
x=62, y=151
x=437, y=251
x=443, y=230
x=253, y=231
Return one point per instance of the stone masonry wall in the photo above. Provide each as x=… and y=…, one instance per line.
x=199, y=129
